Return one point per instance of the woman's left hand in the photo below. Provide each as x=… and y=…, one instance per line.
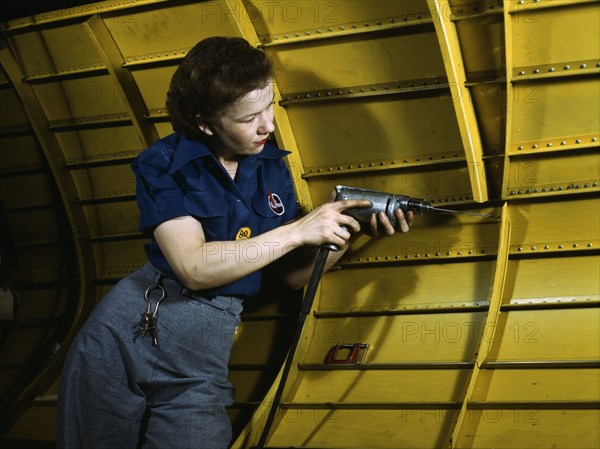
x=381, y=226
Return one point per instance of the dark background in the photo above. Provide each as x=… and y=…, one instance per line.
x=14, y=9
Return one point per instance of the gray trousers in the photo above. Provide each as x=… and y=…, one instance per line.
x=119, y=391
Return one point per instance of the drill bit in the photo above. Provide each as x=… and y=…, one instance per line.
x=439, y=209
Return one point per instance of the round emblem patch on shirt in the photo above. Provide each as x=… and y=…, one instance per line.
x=243, y=234
x=276, y=204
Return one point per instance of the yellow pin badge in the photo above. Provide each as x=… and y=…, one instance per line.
x=243, y=233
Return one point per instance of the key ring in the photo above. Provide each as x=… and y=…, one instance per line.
x=149, y=290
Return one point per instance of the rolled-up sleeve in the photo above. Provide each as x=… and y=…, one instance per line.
x=158, y=195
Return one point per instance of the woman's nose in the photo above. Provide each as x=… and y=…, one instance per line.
x=266, y=125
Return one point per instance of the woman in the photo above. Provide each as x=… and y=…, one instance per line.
x=149, y=367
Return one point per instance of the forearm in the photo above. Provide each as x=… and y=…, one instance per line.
x=212, y=264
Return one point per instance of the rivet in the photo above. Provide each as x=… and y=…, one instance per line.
x=286, y=36
x=341, y=28
x=520, y=147
x=560, y=188
x=528, y=191
x=551, y=69
x=564, y=142
x=536, y=190
x=546, y=247
x=448, y=253
x=594, y=139
x=552, y=189
x=595, y=184
x=586, y=185
x=536, y=71
x=549, y=144
x=522, y=72
x=560, y=247
x=567, y=67
x=583, y=66
x=544, y=189
x=520, y=249
x=578, y=186
x=589, y=245
x=512, y=192
x=534, y=146
x=575, y=245
x=578, y=141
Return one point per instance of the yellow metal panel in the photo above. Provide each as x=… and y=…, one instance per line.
x=118, y=218
x=116, y=260
x=80, y=98
x=547, y=175
x=377, y=386
x=256, y=341
x=560, y=36
x=539, y=110
x=537, y=385
x=402, y=338
x=153, y=83
x=432, y=238
x=170, y=26
x=375, y=131
x=570, y=334
x=359, y=429
x=105, y=182
x=98, y=144
x=407, y=287
x=62, y=50
x=279, y=18
x=344, y=62
x=534, y=428
x=538, y=224
x=572, y=279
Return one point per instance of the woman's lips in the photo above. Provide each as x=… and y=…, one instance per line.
x=262, y=142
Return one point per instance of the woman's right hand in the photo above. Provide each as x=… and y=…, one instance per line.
x=327, y=225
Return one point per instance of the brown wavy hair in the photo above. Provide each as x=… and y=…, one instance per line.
x=215, y=73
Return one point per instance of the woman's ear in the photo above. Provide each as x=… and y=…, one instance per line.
x=203, y=126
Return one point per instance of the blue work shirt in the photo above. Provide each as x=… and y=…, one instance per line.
x=178, y=177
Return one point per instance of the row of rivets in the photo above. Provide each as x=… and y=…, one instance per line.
x=85, y=120
x=378, y=163
x=344, y=27
x=151, y=56
x=415, y=256
x=535, y=146
x=560, y=246
x=476, y=9
x=67, y=70
x=392, y=87
x=554, y=189
x=566, y=67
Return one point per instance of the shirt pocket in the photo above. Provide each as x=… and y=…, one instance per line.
x=210, y=210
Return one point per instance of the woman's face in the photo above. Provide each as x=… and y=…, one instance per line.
x=242, y=129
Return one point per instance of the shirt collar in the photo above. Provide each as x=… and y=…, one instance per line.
x=187, y=150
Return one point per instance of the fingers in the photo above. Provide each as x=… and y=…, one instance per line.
x=340, y=206
x=404, y=221
x=381, y=225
